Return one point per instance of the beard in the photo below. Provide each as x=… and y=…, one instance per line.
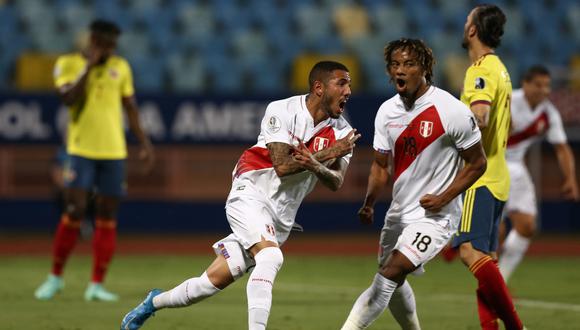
x=465, y=43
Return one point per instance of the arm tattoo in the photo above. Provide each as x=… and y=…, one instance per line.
x=282, y=160
x=332, y=178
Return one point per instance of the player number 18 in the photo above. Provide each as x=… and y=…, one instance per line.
x=422, y=242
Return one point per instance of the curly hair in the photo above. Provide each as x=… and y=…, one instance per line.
x=489, y=21
x=419, y=48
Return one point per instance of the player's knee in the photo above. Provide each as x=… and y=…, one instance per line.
x=527, y=229
x=271, y=256
x=75, y=211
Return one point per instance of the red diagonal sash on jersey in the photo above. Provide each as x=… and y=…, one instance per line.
x=257, y=158
x=537, y=127
x=419, y=134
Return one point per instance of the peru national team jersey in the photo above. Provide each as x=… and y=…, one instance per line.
x=530, y=125
x=487, y=81
x=96, y=125
x=425, y=142
x=254, y=177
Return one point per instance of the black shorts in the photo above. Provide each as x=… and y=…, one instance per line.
x=479, y=220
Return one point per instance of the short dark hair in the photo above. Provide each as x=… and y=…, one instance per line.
x=535, y=70
x=489, y=21
x=105, y=27
x=417, y=46
x=321, y=70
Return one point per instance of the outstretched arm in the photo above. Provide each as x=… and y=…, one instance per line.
x=378, y=177
x=475, y=166
x=568, y=168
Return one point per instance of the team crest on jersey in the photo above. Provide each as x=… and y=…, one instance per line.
x=479, y=83
x=426, y=128
x=113, y=73
x=274, y=124
x=320, y=143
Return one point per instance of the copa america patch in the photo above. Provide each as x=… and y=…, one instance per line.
x=274, y=124
x=479, y=83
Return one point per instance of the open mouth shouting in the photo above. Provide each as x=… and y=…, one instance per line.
x=401, y=84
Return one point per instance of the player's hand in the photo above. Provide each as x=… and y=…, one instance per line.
x=147, y=155
x=344, y=146
x=366, y=215
x=304, y=157
x=432, y=203
x=570, y=190
x=95, y=56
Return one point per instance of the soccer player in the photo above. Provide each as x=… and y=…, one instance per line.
x=533, y=117
x=96, y=85
x=433, y=142
x=303, y=140
x=487, y=91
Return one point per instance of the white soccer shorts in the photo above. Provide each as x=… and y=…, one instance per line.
x=251, y=219
x=522, y=196
x=419, y=241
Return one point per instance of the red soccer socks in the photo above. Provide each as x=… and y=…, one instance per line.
x=104, y=241
x=65, y=240
x=494, y=295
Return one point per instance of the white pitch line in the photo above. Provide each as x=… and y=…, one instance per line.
x=529, y=303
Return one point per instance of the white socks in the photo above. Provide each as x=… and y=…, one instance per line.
x=259, y=289
x=514, y=248
x=370, y=304
x=403, y=307
x=189, y=292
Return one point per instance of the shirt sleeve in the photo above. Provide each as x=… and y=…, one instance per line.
x=127, y=88
x=478, y=87
x=381, y=140
x=275, y=125
x=556, y=133
x=65, y=72
x=463, y=129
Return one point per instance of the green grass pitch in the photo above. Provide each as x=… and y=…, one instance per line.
x=314, y=292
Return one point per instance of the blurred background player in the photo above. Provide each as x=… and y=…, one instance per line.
x=96, y=85
x=428, y=134
x=487, y=91
x=533, y=117
x=303, y=139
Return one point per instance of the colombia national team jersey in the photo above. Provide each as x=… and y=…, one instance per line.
x=95, y=128
x=487, y=81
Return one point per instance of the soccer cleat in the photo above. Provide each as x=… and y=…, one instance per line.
x=136, y=317
x=96, y=292
x=49, y=288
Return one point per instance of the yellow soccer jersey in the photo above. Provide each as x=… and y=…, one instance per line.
x=96, y=124
x=488, y=81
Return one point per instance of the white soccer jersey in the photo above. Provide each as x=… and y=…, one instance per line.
x=424, y=142
x=285, y=121
x=529, y=125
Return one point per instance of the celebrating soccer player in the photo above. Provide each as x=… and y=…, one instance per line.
x=303, y=139
x=427, y=135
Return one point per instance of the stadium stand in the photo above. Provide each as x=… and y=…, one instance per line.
x=250, y=45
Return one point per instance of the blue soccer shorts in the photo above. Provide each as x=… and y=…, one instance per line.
x=479, y=220
x=107, y=177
